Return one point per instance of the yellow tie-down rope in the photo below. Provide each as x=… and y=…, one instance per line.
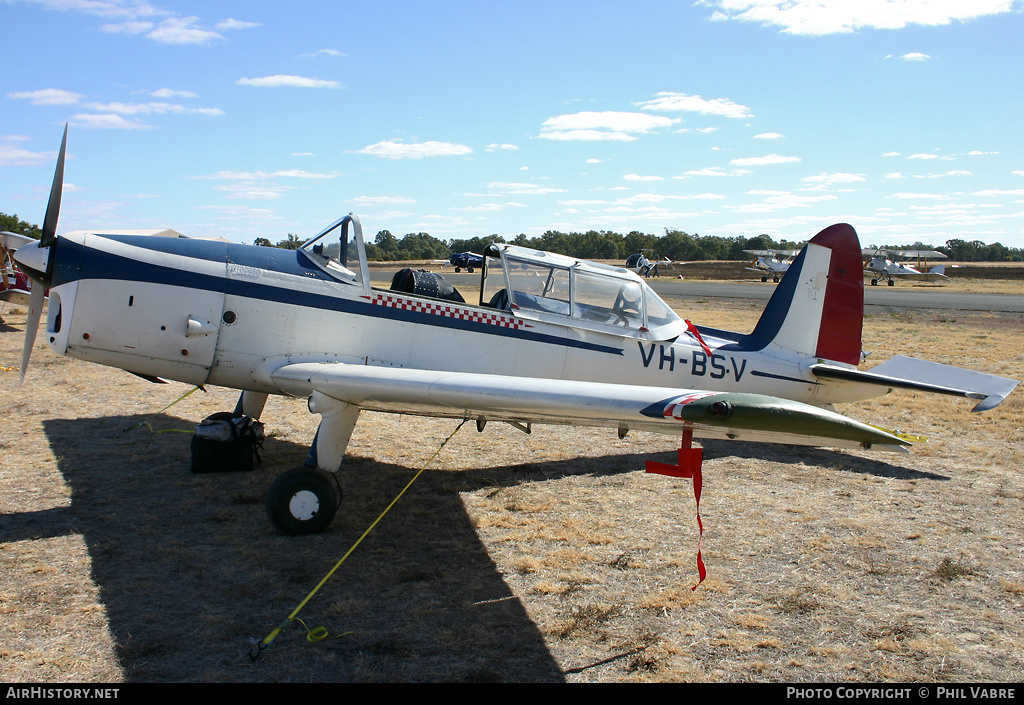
x=318, y=633
x=167, y=430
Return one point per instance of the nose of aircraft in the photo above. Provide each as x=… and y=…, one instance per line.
x=32, y=259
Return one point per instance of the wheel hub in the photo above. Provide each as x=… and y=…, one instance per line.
x=304, y=505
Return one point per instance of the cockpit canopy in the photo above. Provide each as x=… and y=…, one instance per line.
x=528, y=283
x=548, y=284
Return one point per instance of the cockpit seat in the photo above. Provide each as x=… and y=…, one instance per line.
x=499, y=300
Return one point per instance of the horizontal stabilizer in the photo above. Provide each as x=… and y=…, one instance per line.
x=903, y=372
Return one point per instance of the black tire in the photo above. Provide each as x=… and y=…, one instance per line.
x=874, y=282
x=302, y=501
x=764, y=279
x=892, y=283
x=458, y=269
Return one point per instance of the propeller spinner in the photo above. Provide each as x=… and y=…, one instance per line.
x=34, y=259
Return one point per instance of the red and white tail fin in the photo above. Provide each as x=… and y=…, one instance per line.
x=818, y=307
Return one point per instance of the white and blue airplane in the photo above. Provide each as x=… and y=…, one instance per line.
x=879, y=264
x=546, y=339
x=771, y=263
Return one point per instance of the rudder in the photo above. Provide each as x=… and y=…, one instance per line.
x=818, y=307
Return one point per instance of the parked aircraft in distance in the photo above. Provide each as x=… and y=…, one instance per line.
x=15, y=287
x=771, y=263
x=644, y=267
x=546, y=339
x=879, y=264
x=466, y=260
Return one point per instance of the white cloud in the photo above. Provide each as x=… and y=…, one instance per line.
x=592, y=161
x=658, y=198
x=768, y=136
x=400, y=150
x=825, y=180
x=170, y=93
x=767, y=159
x=151, y=109
x=637, y=177
x=380, y=200
x=1000, y=192
x=681, y=102
x=587, y=136
x=12, y=155
x=129, y=27
x=821, y=17
x=710, y=171
x=107, y=121
x=524, y=188
x=891, y=154
x=504, y=147
x=490, y=207
x=607, y=125
x=915, y=56
x=47, y=96
x=923, y=156
x=261, y=175
x=182, y=30
x=914, y=196
x=780, y=200
x=231, y=23
x=945, y=173
x=324, y=52
x=286, y=80
x=253, y=192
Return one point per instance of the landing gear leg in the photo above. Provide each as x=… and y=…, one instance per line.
x=304, y=500
x=251, y=404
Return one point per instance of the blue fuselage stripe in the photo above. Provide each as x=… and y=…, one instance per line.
x=76, y=262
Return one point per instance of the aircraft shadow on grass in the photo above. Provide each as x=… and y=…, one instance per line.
x=189, y=570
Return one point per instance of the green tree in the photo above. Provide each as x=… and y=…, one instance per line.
x=292, y=242
x=12, y=224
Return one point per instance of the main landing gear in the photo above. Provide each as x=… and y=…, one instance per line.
x=303, y=501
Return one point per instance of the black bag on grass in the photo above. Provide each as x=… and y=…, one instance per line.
x=226, y=442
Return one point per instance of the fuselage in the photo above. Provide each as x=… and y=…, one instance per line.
x=204, y=312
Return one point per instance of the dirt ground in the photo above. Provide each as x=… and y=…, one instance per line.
x=518, y=558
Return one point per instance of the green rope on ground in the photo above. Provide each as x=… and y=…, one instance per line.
x=319, y=633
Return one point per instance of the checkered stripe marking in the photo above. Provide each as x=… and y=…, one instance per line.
x=447, y=310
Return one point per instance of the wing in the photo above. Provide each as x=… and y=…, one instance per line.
x=748, y=417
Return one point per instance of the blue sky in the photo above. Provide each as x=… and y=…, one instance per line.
x=462, y=119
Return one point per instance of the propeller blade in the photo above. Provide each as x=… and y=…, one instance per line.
x=35, y=312
x=53, y=205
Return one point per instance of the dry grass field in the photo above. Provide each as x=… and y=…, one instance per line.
x=543, y=557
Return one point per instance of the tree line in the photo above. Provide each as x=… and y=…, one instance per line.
x=601, y=244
